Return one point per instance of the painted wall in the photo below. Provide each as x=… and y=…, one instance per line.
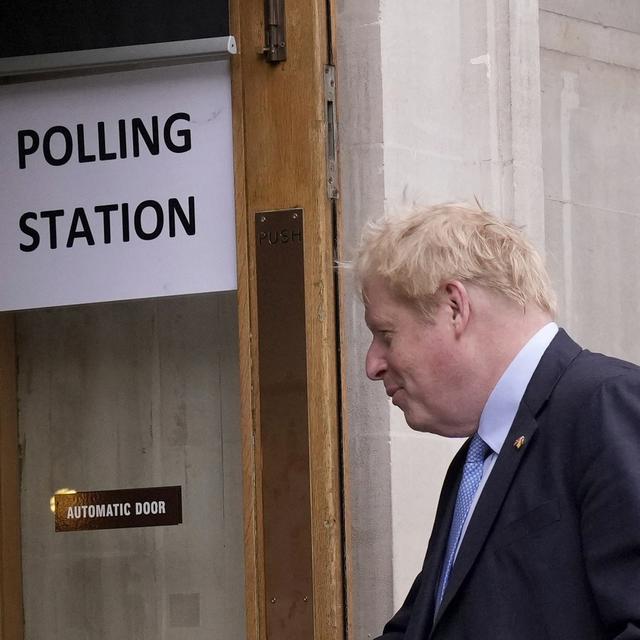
x=128, y=395
x=531, y=107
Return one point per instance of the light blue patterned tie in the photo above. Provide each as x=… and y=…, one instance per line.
x=471, y=476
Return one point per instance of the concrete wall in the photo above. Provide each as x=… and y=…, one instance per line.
x=362, y=167
x=590, y=61
x=533, y=109
x=129, y=395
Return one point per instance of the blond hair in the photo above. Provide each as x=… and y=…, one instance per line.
x=415, y=253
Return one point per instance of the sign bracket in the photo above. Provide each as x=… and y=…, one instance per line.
x=114, y=57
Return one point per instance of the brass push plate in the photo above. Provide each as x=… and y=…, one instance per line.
x=284, y=433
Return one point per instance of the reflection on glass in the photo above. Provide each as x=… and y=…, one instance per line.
x=59, y=492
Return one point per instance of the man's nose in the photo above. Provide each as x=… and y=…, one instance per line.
x=375, y=364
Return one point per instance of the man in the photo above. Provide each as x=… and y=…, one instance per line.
x=537, y=531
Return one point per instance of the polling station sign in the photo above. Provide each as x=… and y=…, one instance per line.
x=117, y=186
x=118, y=509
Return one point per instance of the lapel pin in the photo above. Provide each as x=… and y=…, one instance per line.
x=519, y=443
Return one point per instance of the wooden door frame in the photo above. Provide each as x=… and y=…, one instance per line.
x=280, y=137
x=11, y=614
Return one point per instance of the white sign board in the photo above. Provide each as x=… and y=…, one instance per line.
x=117, y=186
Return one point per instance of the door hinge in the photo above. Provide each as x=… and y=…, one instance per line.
x=275, y=49
x=332, y=130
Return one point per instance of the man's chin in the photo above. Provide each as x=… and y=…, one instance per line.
x=418, y=425
x=446, y=431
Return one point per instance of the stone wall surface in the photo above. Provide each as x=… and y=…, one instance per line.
x=590, y=62
x=533, y=108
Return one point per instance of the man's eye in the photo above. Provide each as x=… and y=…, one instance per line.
x=386, y=336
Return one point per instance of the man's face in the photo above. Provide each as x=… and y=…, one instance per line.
x=420, y=363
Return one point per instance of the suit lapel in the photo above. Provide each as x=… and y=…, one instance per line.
x=438, y=543
x=560, y=353
x=489, y=504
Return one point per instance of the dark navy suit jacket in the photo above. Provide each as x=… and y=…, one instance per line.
x=552, y=550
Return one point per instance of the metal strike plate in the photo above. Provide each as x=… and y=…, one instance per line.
x=284, y=427
x=332, y=131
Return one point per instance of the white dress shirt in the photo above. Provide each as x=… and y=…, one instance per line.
x=501, y=407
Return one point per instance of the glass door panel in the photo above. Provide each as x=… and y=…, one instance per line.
x=131, y=395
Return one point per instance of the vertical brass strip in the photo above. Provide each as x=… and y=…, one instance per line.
x=282, y=357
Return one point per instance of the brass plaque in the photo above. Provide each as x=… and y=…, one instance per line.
x=284, y=424
x=119, y=508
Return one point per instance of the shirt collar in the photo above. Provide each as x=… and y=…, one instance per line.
x=501, y=407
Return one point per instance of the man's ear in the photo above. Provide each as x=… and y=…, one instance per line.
x=457, y=299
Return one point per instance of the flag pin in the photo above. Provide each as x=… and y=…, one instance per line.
x=519, y=443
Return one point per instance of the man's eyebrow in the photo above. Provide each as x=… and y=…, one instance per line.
x=370, y=320
x=378, y=323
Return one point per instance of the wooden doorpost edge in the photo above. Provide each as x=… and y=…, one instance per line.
x=280, y=163
x=11, y=610
x=245, y=322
